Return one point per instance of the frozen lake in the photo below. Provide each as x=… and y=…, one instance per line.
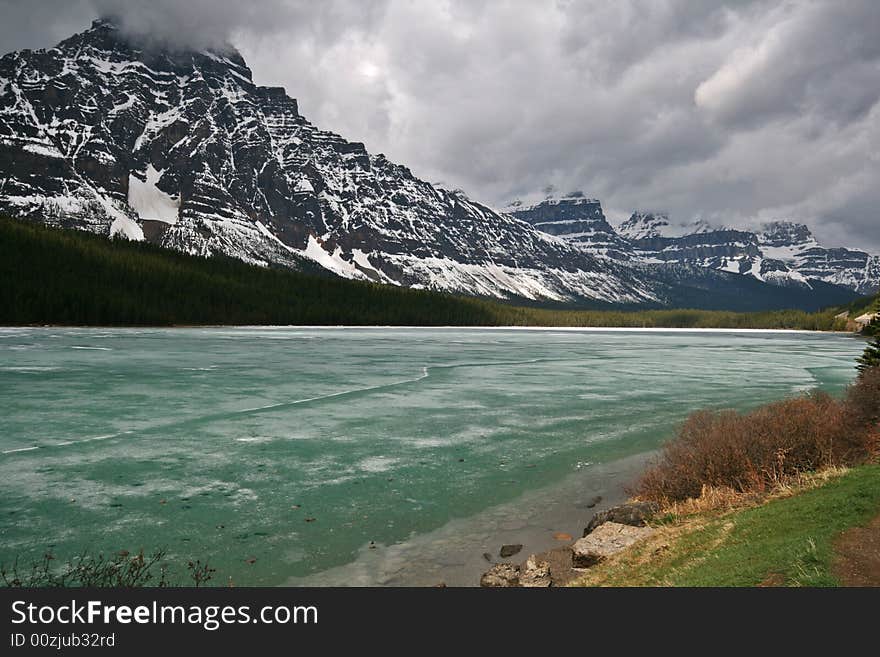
x=221, y=443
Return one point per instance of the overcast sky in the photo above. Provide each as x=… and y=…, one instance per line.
x=736, y=112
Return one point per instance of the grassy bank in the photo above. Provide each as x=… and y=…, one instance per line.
x=759, y=497
x=788, y=540
x=65, y=277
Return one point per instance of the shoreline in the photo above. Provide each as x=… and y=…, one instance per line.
x=342, y=327
x=453, y=555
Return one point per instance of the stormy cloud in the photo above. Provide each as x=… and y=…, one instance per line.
x=735, y=112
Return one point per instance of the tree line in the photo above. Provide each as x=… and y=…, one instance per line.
x=66, y=277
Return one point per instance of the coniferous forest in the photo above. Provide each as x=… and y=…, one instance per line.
x=56, y=276
x=64, y=277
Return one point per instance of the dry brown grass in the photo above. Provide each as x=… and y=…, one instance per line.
x=711, y=498
x=723, y=499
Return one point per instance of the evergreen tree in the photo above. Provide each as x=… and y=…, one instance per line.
x=873, y=328
x=871, y=357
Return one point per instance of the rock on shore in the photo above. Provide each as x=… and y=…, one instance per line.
x=501, y=575
x=607, y=533
x=609, y=538
x=510, y=550
x=535, y=574
x=636, y=514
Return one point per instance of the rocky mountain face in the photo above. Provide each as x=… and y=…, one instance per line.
x=183, y=149
x=795, y=245
x=780, y=253
x=655, y=240
x=579, y=220
x=684, y=261
x=649, y=225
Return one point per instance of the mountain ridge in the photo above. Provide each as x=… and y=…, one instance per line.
x=782, y=253
x=96, y=123
x=183, y=149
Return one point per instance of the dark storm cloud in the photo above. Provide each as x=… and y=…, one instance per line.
x=189, y=23
x=26, y=24
x=203, y=23
x=821, y=59
x=732, y=111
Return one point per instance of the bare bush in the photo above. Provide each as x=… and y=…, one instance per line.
x=760, y=451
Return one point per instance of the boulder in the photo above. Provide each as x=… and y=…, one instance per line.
x=535, y=574
x=609, y=538
x=510, y=550
x=502, y=575
x=636, y=514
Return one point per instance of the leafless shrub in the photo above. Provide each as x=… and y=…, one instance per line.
x=762, y=450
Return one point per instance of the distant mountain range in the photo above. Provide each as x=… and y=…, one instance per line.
x=781, y=253
x=182, y=149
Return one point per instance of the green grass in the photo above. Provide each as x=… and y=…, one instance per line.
x=67, y=277
x=788, y=539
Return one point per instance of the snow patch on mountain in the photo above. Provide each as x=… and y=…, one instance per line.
x=127, y=228
x=150, y=202
x=331, y=260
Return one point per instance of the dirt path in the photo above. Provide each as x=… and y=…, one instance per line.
x=857, y=555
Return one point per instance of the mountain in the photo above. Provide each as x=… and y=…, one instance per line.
x=649, y=225
x=655, y=240
x=781, y=253
x=795, y=245
x=183, y=149
x=579, y=220
x=688, y=285
x=689, y=265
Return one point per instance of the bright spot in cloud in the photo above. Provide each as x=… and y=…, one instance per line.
x=369, y=70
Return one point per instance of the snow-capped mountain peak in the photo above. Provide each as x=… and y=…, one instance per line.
x=183, y=149
x=794, y=244
x=781, y=253
x=785, y=240
x=786, y=234
x=646, y=225
x=579, y=220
